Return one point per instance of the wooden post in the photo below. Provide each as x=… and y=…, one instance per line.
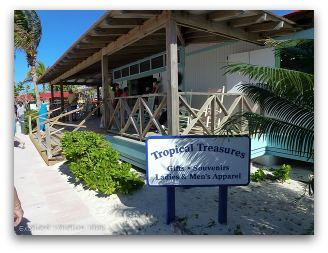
x=172, y=101
x=213, y=111
x=48, y=141
x=172, y=77
x=52, y=97
x=98, y=100
x=105, y=89
x=142, y=118
x=62, y=97
x=38, y=134
x=29, y=124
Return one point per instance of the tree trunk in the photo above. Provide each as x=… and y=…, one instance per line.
x=35, y=78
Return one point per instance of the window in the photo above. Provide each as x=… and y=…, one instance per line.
x=145, y=66
x=117, y=74
x=125, y=72
x=157, y=62
x=134, y=69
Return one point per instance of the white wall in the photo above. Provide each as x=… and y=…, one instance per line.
x=262, y=57
x=203, y=68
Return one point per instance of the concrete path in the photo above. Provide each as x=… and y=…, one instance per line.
x=50, y=204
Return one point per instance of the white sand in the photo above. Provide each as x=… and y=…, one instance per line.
x=259, y=208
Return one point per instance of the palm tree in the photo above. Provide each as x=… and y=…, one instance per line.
x=286, y=98
x=27, y=36
x=39, y=70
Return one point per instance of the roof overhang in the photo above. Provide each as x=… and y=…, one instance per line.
x=131, y=35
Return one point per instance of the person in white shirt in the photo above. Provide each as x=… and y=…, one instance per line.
x=20, y=115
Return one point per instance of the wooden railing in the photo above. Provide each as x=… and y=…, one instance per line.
x=135, y=116
x=199, y=113
x=54, y=127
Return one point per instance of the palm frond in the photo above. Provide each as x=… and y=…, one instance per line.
x=27, y=33
x=279, y=79
x=290, y=136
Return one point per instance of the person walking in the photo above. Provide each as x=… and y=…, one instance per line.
x=43, y=116
x=72, y=102
x=20, y=115
x=21, y=143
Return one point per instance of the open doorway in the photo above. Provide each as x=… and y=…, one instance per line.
x=140, y=86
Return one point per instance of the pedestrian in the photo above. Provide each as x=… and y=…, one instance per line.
x=72, y=102
x=21, y=143
x=20, y=115
x=43, y=116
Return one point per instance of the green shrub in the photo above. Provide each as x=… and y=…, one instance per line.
x=28, y=113
x=258, y=175
x=92, y=160
x=282, y=173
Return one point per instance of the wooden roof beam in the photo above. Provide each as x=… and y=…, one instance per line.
x=224, y=15
x=268, y=26
x=109, y=31
x=246, y=21
x=91, y=45
x=107, y=38
x=222, y=29
x=120, y=23
x=180, y=36
x=137, y=33
x=134, y=14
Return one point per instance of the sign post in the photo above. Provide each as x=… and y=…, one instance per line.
x=174, y=161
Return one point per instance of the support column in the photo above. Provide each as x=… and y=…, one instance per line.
x=172, y=102
x=62, y=104
x=105, y=89
x=98, y=99
x=172, y=77
x=52, y=96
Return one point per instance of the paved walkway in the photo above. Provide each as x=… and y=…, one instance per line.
x=50, y=204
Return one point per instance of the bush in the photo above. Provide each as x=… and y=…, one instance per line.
x=28, y=113
x=258, y=176
x=92, y=160
x=282, y=173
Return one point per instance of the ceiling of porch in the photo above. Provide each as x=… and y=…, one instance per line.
x=128, y=36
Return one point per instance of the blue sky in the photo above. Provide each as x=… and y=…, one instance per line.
x=60, y=29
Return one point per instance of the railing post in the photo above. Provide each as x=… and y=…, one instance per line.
x=29, y=124
x=213, y=114
x=48, y=141
x=142, y=117
x=121, y=113
x=38, y=134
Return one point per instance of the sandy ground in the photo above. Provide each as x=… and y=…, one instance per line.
x=51, y=196
x=259, y=208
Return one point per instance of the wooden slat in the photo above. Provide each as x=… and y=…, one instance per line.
x=198, y=116
x=264, y=27
x=246, y=21
x=231, y=109
x=224, y=14
x=131, y=119
x=203, y=24
x=153, y=117
x=192, y=112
